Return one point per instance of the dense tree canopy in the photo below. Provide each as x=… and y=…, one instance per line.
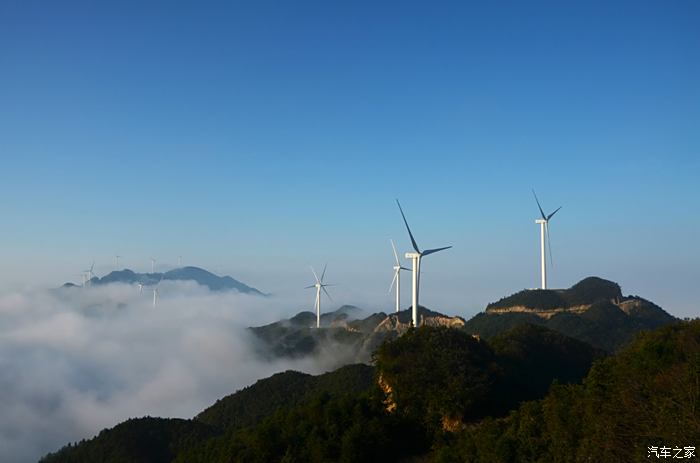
x=648, y=395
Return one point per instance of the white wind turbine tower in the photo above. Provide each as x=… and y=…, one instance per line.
x=156, y=294
x=397, y=277
x=153, y=265
x=116, y=262
x=319, y=286
x=415, y=259
x=544, y=230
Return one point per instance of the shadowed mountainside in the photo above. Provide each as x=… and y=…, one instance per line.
x=593, y=311
x=344, y=336
x=160, y=440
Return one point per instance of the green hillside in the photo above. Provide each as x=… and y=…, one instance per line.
x=249, y=405
x=586, y=291
x=647, y=395
x=141, y=440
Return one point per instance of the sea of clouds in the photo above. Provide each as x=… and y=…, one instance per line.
x=76, y=360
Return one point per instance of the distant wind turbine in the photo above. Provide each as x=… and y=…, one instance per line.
x=89, y=273
x=179, y=261
x=397, y=277
x=416, y=258
x=153, y=265
x=544, y=230
x=116, y=262
x=319, y=285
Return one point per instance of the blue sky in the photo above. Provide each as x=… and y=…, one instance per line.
x=257, y=138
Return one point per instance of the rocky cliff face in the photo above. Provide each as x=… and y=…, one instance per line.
x=542, y=313
x=400, y=323
x=631, y=306
x=396, y=324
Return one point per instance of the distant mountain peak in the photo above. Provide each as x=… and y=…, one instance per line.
x=547, y=302
x=189, y=273
x=594, y=310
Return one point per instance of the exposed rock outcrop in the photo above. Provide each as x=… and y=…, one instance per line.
x=593, y=311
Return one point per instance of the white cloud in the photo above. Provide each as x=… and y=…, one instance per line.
x=75, y=361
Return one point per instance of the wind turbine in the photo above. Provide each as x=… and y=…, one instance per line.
x=156, y=294
x=153, y=265
x=116, y=262
x=397, y=277
x=319, y=286
x=179, y=261
x=544, y=230
x=415, y=259
x=90, y=275
x=140, y=285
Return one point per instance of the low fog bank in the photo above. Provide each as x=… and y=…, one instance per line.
x=74, y=361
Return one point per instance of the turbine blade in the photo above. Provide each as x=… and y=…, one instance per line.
x=538, y=205
x=413, y=241
x=404, y=268
x=391, y=286
x=309, y=287
x=314, y=272
x=552, y=214
x=324, y=271
x=430, y=251
x=324, y=290
x=395, y=254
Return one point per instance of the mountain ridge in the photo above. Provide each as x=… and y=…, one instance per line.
x=188, y=273
x=594, y=311
x=350, y=338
